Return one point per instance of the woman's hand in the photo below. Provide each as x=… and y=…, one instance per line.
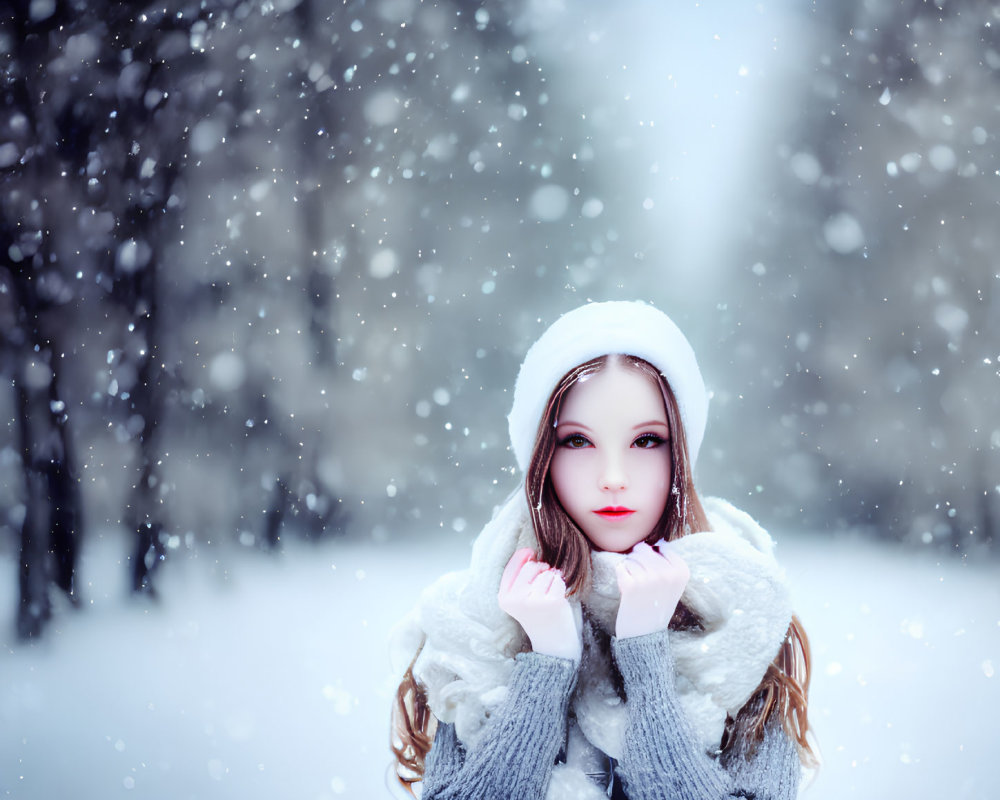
x=651, y=581
x=534, y=594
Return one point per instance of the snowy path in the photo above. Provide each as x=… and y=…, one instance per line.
x=271, y=679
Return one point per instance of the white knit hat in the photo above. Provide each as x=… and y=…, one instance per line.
x=600, y=329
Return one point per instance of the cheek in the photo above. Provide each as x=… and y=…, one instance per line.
x=656, y=475
x=667, y=473
x=567, y=472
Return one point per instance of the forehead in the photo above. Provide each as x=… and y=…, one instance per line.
x=620, y=388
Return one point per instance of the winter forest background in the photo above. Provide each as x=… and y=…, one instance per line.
x=268, y=268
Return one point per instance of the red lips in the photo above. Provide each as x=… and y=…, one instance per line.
x=614, y=512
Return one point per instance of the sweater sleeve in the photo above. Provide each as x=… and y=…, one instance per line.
x=662, y=757
x=520, y=744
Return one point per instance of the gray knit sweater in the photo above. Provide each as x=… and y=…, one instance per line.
x=660, y=760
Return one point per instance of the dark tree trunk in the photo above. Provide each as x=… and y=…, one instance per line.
x=314, y=128
x=35, y=607
x=65, y=496
x=139, y=291
x=275, y=518
x=320, y=284
x=52, y=524
x=51, y=528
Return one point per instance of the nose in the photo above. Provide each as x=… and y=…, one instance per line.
x=613, y=476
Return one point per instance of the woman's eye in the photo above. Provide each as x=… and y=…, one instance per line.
x=575, y=441
x=648, y=441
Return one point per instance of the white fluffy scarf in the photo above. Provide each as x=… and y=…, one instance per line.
x=737, y=590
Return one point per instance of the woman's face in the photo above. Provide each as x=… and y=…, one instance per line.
x=611, y=469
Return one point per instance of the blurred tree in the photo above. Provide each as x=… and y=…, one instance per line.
x=157, y=99
x=36, y=292
x=268, y=327
x=389, y=163
x=121, y=122
x=99, y=98
x=868, y=324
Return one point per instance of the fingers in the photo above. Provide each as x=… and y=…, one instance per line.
x=557, y=586
x=623, y=572
x=514, y=566
x=644, y=552
x=539, y=580
x=524, y=575
x=534, y=594
x=655, y=574
x=634, y=567
x=651, y=581
x=542, y=582
x=656, y=557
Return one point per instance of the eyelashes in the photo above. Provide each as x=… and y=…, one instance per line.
x=645, y=441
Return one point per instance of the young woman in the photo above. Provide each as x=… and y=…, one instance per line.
x=614, y=635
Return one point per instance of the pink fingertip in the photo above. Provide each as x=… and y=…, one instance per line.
x=514, y=566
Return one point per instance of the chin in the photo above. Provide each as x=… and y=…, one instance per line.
x=612, y=547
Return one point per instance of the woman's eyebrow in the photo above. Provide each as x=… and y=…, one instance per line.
x=560, y=423
x=650, y=424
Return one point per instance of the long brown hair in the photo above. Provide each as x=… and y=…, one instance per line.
x=784, y=688
x=783, y=694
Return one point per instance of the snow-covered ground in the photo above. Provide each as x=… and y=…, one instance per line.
x=261, y=677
